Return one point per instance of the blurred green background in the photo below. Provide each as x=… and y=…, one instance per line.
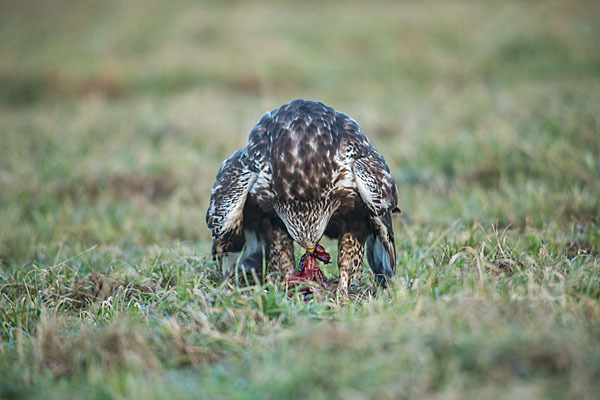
x=115, y=117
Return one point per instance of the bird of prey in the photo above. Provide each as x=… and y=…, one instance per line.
x=307, y=171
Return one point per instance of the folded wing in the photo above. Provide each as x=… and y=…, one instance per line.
x=378, y=191
x=225, y=212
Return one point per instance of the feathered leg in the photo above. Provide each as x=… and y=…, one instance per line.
x=281, y=261
x=351, y=251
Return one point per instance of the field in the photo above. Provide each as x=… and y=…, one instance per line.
x=115, y=116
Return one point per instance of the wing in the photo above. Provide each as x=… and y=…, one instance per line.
x=238, y=176
x=228, y=196
x=378, y=191
x=375, y=184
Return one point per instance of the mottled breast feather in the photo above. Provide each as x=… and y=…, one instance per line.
x=308, y=147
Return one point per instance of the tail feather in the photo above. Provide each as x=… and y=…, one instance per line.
x=244, y=252
x=381, y=254
x=252, y=259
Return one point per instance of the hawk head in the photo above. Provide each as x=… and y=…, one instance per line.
x=306, y=220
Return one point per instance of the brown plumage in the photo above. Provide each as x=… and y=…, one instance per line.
x=307, y=171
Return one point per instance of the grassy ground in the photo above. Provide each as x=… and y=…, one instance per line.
x=114, y=118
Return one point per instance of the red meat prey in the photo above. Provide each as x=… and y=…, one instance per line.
x=310, y=271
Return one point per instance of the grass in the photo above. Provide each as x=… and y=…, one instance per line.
x=114, y=118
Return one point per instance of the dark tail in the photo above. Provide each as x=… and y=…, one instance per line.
x=381, y=250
